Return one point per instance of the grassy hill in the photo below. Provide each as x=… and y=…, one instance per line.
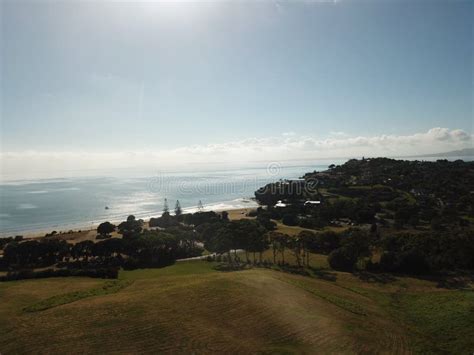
x=191, y=307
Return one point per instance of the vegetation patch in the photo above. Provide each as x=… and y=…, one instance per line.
x=107, y=288
x=440, y=321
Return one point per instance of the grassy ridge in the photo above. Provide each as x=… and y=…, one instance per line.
x=192, y=307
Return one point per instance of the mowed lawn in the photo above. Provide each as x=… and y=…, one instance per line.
x=191, y=307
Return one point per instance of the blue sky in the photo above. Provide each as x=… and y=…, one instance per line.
x=101, y=77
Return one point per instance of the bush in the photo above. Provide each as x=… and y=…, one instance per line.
x=342, y=259
x=267, y=223
x=252, y=213
x=388, y=262
x=131, y=263
x=105, y=273
x=413, y=262
x=165, y=221
x=408, y=262
x=290, y=220
x=307, y=223
x=326, y=242
x=371, y=266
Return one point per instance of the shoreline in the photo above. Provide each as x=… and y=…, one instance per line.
x=40, y=231
x=90, y=232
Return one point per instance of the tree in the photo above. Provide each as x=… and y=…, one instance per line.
x=53, y=250
x=82, y=249
x=104, y=229
x=307, y=240
x=199, y=218
x=131, y=227
x=278, y=241
x=325, y=242
x=34, y=253
x=266, y=222
x=187, y=238
x=10, y=254
x=165, y=207
x=342, y=259
x=152, y=249
x=177, y=209
x=296, y=246
x=16, y=254
x=436, y=224
x=225, y=215
x=200, y=207
x=283, y=243
x=355, y=244
x=165, y=221
x=255, y=237
x=290, y=220
x=108, y=247
x=218, y=237
x=357, y=241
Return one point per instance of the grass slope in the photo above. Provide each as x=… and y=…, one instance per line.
x=58, y=300
x=191, y=307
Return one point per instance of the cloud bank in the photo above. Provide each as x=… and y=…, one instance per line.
x=288, y=146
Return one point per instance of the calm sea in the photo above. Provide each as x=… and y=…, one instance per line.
x=75, y=203
x=82, y=202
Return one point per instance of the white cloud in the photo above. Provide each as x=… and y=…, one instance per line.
x=284, y=147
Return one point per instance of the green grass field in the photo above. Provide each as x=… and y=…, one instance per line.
x=191, y=307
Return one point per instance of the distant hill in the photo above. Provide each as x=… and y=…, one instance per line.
x=453, y=153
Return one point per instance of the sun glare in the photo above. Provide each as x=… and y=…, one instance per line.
x=179, y=12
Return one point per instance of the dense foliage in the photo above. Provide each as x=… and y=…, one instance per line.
x=136, y=248
x=416, y=215
x=392, y=216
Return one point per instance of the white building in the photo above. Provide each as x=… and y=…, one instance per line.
x=312, y=203
x=280, y=204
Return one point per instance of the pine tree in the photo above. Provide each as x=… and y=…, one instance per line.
x=165, y=207
x=177, y=208
x=200, y=206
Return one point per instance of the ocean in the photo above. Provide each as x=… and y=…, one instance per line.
x=61, y=204
x=76, y=203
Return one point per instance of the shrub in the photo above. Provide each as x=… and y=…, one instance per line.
x=307, y=223
x=252, y=213
x=290, y=220
x=105, y=273
x=408, y=262
x=342, y=259
x=413, y=262
x=267, y=223
x=389, y=262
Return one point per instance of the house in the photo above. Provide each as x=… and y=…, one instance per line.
x=280, y=204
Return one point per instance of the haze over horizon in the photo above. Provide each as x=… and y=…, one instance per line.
x=114, y=85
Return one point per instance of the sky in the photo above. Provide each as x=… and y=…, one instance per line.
x=90, y=84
